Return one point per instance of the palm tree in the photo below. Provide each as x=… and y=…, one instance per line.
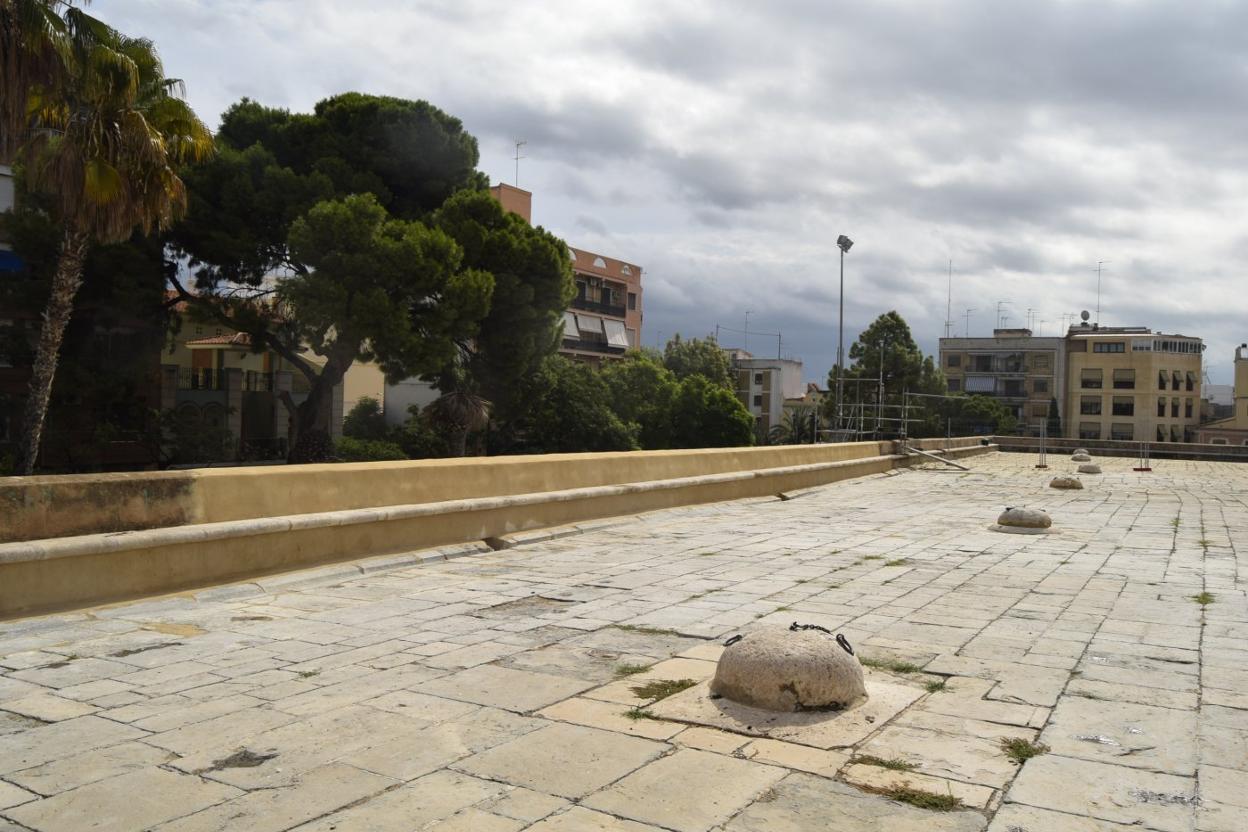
x=34, y=50
x=459, y=410
x=109, y=131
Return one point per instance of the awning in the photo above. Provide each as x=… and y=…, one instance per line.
x=10, y=262
x=616, y=335
x=569, y=326
x=980, y=384
x=589, y=325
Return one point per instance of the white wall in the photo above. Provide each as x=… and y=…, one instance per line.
x=408, y=392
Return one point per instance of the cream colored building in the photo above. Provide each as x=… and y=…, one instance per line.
x=763, y=385
x=1023, y=372
x=1232, y=430
x=1133, y=384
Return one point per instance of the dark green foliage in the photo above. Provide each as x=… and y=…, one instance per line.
x=532, y=287
x=706, y=415
x=641, y=392
x=571, y=411
x=365, y=421
x=418, y=438
x=349, y=449
x=698, y=356
x=1054, y=426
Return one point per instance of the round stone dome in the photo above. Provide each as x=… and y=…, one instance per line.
x=1083, y=457
x=789, y=669
x=1089, y=468
x=1023, y=521
x=1066, y=482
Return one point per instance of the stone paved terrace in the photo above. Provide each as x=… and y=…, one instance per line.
x=485, y=692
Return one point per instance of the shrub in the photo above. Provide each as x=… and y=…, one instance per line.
x=350, y=449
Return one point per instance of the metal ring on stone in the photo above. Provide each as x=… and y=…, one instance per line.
x=844, y=642
x=733, y=640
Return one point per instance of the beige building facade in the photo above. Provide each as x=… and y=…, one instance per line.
x=1232, y=430
x=763, y=385
x=1132, y=384
x=1023, y=372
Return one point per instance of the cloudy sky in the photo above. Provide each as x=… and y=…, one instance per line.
x=724, y=145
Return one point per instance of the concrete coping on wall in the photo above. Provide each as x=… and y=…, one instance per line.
x=97, y=544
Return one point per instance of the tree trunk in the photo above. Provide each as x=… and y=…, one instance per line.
x=459, y=441
x=65, y=283
x=312, y=428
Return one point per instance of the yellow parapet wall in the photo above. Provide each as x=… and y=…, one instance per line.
x=219, y=525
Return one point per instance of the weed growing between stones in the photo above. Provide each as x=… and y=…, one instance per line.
x=891, y=665
x=897, y=562
x=308, y=674
x=630, y=669
x=1204, y=598
x=905, y=793
x=640, y=713
x=661, y=688
x=1020, y=750
x=895, y=764
x=936, y=687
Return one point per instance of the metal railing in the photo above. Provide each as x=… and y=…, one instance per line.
x=614, y=310
x=201, y=379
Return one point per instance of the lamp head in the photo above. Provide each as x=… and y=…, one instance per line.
x=844, y=243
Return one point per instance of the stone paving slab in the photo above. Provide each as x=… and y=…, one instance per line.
x=493, y=690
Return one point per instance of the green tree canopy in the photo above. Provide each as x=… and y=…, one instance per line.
x=698, y=356
x=708, y=415
x=571, y=412
x=376, y=288
x=532, y=287
x=641, y=393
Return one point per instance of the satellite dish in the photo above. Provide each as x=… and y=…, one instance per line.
x=1083, y=316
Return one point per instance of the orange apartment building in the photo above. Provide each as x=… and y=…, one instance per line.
x=604, y=318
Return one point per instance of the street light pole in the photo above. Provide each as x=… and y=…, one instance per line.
x=844, y=244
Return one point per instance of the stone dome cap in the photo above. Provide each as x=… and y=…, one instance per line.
x=1072, y=483
x=1089, y=469
x=1079, y=451
x=794, y=668
x=1081, y=457
x=1023, y=521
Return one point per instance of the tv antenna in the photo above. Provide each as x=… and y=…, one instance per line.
x=967, y=315
x=1001, y=318
x=519, y=144
x=949, y=303
x=1099, y=264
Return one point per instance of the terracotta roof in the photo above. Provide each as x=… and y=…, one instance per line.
x=238, y=339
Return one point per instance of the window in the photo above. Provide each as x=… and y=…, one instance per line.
x=1191, y=382
x=1090, y=405
x=600, y=263
x=1109, y=346
x=953, y=361
x=1174, y=408
x=1124, y=379
x=1176, y=433
x=1161, y=406
x=981, y=363
x=1014, y=388
x=1177, y=380
x=1218, y=440
x=199, y=330
x=1089, y=430
x=626, y=269
x=1041, y=362
x=1124, y=431
x=1124, y=406
x=955, y=385
x=581, y=289
x=1187, y=409
x=758, y=401
x=632, y=300
x=1040, y=410
x=1161, y=433
x=1091, y=379
x=1161, y=380
x=758, y=378
x=1040, y=385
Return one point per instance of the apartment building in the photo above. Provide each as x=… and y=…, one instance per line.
x=763, y=385
x=1130, y=383
x=605, y=317
x=1232, y=430
x=1024, y=372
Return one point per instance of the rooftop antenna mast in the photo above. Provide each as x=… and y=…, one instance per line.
x=949, y=303
x=1099, y=264
x=519, y=144
x=967, y=315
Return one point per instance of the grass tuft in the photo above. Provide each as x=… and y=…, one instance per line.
x=661, y=688
x=897, y=562
x=905, y=793
x=1204, y=598
x=1020, y=750
x=630, y=669
x=639, y=713
x=891, y=665
x=936, y=687
x=895, y=764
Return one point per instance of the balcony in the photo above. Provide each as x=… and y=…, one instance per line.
x=200, y=379
x=614, y=310
x=587, y=345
